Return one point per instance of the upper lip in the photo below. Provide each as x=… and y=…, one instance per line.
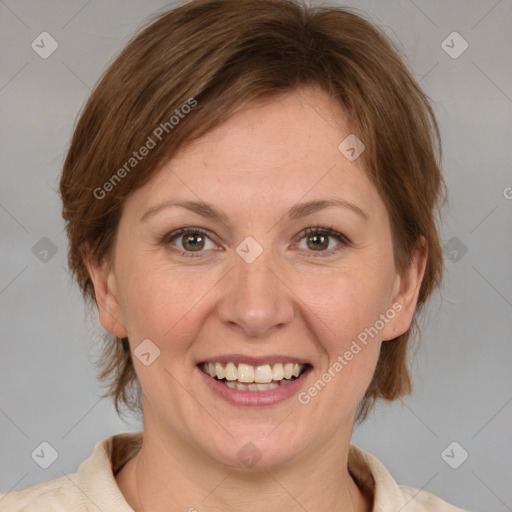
x=253, y=360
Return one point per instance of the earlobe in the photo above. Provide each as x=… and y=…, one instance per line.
x=407, y=289
x=109, y=310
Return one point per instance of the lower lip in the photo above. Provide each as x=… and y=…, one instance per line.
x=252, y=398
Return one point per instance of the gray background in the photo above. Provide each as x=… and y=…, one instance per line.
x=462, y=375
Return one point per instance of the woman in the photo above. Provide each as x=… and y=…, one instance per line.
x=250, y=196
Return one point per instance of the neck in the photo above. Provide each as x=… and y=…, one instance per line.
x=168, y=475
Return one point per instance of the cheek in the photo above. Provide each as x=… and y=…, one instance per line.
x=345, y=312
x=160, y=302
x=347, y=302
x=350, y=353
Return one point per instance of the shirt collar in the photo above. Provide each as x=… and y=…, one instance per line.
x=96, y=475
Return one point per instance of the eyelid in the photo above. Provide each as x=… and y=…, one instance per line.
x=168, y=238
x=189, y=230
x=330, y=231
x=327, y=231
x=316, y=230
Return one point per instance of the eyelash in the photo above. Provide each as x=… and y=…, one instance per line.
x=317, y=230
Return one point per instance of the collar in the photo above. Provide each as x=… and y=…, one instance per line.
x=96, y=475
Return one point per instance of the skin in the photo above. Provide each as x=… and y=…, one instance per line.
x=293, y=300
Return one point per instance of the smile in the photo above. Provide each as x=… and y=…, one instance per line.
x=246, y=377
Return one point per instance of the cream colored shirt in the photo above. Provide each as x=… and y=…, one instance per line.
x=93, y=487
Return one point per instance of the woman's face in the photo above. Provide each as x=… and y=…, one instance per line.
x=257, y=287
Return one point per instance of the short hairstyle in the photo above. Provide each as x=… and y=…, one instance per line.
x=193, y=67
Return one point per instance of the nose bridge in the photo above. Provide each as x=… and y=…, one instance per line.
x=255, y=300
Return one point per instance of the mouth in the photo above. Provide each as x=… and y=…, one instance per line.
x=259, y=378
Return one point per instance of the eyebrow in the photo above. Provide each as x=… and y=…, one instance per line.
x=200, y=207
x=303, y=209
x=298, y=211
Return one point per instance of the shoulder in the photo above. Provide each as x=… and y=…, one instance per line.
x=377, y=482
x=93, y=487
x=417, y=500
x=60, y=494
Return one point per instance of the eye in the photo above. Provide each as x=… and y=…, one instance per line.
x=318, y=239
x=192, y=241
x=189, y=240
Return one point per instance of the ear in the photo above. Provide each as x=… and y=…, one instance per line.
x=104, y=281
x=405, y=293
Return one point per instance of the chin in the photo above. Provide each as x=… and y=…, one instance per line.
x=257, y=448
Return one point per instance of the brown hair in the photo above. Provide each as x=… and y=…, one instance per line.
x=217, y=56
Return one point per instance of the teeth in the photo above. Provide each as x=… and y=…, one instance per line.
x=296, y=370
x=230, y=373
x=245, y=373
x=219, y=371
x=278, y=372
x=263, y=374
x=252, y=387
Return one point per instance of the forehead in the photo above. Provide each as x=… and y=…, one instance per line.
x=270, y=154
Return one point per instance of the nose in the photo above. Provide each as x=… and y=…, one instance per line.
x=255, y=301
